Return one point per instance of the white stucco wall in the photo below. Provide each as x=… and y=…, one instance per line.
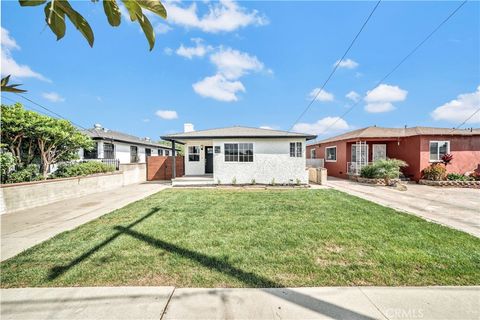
x=122, y=151
x=271, y=161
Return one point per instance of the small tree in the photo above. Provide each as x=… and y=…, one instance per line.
x=447, y=158
x=58, y=140
x=388, y=169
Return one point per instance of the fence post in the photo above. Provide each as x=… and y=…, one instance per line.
x=174, y=171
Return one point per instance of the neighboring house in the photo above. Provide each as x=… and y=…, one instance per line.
x=244, y=155
x=346, y=154
x=126, y=148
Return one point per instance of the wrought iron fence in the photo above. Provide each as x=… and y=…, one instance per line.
x=113, y=162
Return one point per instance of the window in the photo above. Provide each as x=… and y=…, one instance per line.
x=160, y=152
x=238, y=152
x=92, y=153
x=133, y=154
x=167, y=152
x=193, y=153
x=313, y=154
x=108, y=151
x=148, y=152
x=296, y=149
x=331, y=154
x=438, y=149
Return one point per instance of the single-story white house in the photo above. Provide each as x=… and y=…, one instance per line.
x=120, y=146
x=244, y=155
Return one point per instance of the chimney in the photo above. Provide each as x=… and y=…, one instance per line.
x=188, y=127
x=97, y=126
x=147, y=138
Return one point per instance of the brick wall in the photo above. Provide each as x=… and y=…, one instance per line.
x=160, y=167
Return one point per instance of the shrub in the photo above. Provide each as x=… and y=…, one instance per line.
x=66, y=170
x=383, y=169
x=435, y=172
x=29, y=173
x=459, y=177
x=7, y=162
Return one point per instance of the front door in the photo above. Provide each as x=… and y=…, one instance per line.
x=379, y=152
x=209, y=159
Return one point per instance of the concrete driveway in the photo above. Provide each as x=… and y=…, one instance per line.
x=457, y=208
x=23, y=229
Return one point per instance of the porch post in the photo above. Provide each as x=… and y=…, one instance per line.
x=174, y=169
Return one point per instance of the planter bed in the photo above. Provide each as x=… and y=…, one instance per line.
x=376, y=181
x=451, y=183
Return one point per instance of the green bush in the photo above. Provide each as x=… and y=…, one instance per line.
x=29, y=173
x=383, y=169
x=76, y=169
x=459, y=177
x=435, y=172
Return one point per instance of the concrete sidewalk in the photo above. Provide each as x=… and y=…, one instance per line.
x=363, y=303
x=453, y=207
x=23, y=229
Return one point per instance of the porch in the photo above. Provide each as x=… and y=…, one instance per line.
x=193, y=181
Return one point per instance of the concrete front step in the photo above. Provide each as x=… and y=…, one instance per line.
x=193, y=181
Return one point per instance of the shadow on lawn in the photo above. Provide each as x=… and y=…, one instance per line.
x=249, y=278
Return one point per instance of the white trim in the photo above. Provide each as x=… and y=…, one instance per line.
x=438, y=149
x=326, y=153
x=193, y=154
x=223, y=153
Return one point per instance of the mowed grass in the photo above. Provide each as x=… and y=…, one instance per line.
x=250, y=238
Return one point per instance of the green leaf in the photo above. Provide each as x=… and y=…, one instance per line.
x=134, y=10
x=10, y=88
x=112, y=11
x=147, y=29
x=55, y=20
x=78, y=20
x=31, y=3
x=5, y=80
x=155, y=6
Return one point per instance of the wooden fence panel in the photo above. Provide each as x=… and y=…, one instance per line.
x=161, y=167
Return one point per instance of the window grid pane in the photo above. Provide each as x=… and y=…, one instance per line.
x=434, y=151
x=194, y=153
x=299, y=149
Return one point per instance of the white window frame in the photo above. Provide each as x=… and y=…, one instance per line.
x=160, y=152
x=313, y=153
x=238, y=161
x=438, y=142
x=326, y=154
x=297, y=146
x=194, y=154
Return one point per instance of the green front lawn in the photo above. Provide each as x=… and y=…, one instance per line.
x=250, y=238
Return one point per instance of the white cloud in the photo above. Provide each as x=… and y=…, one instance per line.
x=146, y=120
x=161, y=28
x=53, y=97
x=378, y=107
x=199, y=50
x=347, y=64
x=168, y=51
x=223, y=16
x=9, y=65
x=322, y=95
x=167, y=114
x=352, y=95
x=325, y=125
x=233, y=64
x=380, y=99
x=218, y=87
x=459, y=109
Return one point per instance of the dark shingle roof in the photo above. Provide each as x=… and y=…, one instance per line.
x=379, y=132
x=236, y=132
x=105, y=134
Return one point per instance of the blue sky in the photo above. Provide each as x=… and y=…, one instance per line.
x=251, y=63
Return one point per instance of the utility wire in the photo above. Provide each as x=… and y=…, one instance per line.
x=400, y=63
x=336, y=66
x=465, y=121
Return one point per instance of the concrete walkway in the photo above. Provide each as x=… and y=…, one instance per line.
x=362, y=303
x=23, y=229
x=457, y=208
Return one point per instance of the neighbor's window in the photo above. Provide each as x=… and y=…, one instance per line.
x=193, y=153
x=148, y=152
x=108, y=151
x=331, y=154
x=313, y=154
x=160, y=152
x=167, y=152
x=296, y=149
x=92, y=153
x=238, y=152
x=438, y=149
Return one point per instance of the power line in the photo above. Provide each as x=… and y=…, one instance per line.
x=400, y=63
x=465, y=121
x=336, y=66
